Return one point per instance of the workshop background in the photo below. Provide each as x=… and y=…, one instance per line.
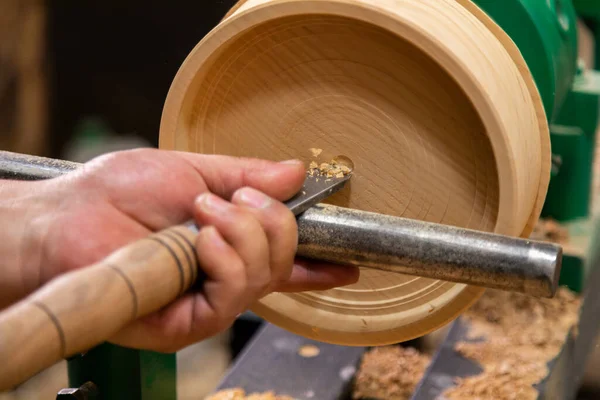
x=78, y=79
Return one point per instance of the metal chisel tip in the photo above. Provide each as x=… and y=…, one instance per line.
x=321, y=182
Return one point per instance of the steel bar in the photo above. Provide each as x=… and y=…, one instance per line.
x=26, y=167
x=429, y=250
x=401, y=245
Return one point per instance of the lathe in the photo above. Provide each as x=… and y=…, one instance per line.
x=450, y=216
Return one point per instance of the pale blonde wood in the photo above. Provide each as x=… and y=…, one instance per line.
x=429, y=98
x=545, y=148
x=83, y=308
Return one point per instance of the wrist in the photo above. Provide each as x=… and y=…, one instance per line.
x=20, y=253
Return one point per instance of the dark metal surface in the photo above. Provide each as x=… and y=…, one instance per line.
x=429, y=250
x=446, y=365
x=271, y=362
x=406, y=246
x=87, y=391
x=589, y=321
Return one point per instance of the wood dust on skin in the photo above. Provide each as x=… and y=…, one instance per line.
x=521, y=334
x=390, y=373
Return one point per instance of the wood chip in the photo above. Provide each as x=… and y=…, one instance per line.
x=328, y=169
x=316, y=152
x=389, y=373
x=517, y=336
x=240, y=394
x=228, y=394
x=309, y=351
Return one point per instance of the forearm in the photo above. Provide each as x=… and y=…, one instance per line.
x=20, y=205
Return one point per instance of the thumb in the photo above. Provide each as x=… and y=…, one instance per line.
x=224, y=175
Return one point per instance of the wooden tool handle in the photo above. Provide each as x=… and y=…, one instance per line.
x=83, y=308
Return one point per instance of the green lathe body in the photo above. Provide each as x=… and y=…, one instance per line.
x=546, y=34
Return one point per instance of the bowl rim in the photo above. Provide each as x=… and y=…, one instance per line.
x=239, y=22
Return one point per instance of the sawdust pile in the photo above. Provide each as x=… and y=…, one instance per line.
x=329, y=170
x=521, y=335
x=549, y=230
x=389, y=373
x=240, y=394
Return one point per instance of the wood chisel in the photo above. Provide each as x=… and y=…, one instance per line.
x=80, y=309
x=319, y=184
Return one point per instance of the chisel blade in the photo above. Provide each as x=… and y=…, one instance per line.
x=316, y=188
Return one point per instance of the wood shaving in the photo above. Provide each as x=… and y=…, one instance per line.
x=309, y=351
x=390, y=373
x=494, y=386
x=520, y=335
x=329, y=170
x=316, y=152
x=550, y=230
x=240, y=394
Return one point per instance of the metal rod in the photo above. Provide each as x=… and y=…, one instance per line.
x=401, y=245
x=429, y=250
x=30, y=168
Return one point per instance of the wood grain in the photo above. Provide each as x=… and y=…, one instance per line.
x=436, y=109
x=81, y=309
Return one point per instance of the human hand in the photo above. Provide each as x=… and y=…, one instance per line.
x=246, y=245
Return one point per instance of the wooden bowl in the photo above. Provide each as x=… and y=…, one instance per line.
x=430, y=99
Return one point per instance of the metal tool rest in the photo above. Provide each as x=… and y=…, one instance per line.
x=546, y=34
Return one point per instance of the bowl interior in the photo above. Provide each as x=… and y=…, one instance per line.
x=313, y=87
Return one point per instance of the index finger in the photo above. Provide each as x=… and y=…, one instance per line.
x=225, y=174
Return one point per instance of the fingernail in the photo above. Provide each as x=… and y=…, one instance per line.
x=254, y=198
x=292, y=162
x=210, y=203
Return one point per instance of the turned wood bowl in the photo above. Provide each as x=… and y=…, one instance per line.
x=430, y=99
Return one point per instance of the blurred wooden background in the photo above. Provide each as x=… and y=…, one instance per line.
x=23, y=76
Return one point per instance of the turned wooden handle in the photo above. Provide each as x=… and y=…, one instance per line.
x=83, y=308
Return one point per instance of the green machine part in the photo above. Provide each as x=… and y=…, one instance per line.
x=546, y=33
x=120, y=373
